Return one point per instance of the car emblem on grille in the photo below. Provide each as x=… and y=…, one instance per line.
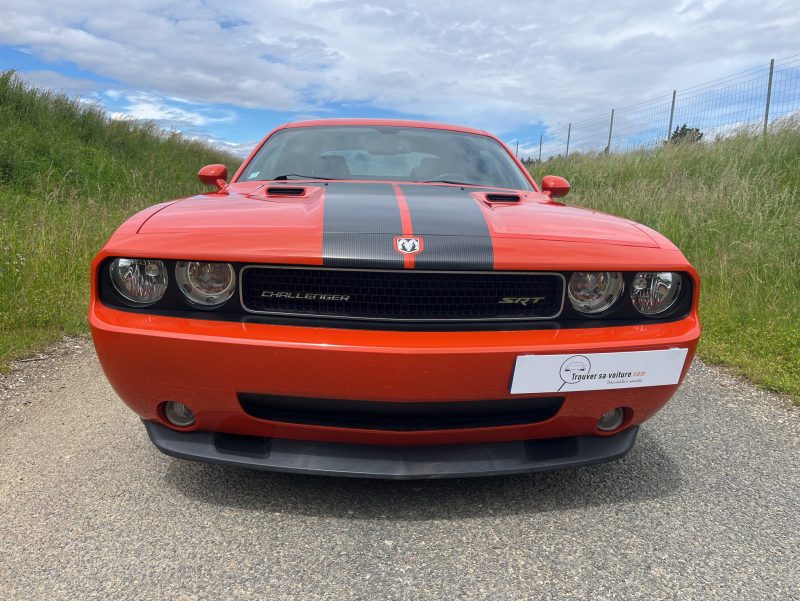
x=408, y=246
x=520, y=300
x=344, y=298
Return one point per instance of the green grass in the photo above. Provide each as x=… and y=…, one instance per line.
x=733, y=208
x=68, y=177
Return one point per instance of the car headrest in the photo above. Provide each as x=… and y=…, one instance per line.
x=332, y=166
x=429, y=168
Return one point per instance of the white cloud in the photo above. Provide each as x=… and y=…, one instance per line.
x=500, y=66
x=164, y=112
x=241, y=149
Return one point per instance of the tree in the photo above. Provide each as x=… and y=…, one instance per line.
x=685, y=134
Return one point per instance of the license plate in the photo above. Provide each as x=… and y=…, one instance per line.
x=597, y=371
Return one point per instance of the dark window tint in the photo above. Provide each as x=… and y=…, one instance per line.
x=385, y=153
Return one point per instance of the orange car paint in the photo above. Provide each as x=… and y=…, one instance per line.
x=150, y=359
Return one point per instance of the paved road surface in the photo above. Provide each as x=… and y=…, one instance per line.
x=706, y=506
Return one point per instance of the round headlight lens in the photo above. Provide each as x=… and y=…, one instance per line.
x=205, y=284
x=592, y=292
x=140, y=282
x=654, y=292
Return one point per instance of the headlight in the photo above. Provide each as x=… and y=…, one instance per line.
x=205, y=284
x=141, y=282
x=592, y=292
x=655, y=292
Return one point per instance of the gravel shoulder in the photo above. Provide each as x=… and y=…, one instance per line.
x=707, y=505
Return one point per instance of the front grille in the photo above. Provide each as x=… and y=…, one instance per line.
x=410, y=296
x=400, y=416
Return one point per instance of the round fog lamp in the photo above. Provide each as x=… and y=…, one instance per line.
x=611, y=420
x=178, y=414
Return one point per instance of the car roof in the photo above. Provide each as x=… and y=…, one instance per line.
x=387, y=123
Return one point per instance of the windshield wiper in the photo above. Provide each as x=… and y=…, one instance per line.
x=300, y=176
x=448, y=181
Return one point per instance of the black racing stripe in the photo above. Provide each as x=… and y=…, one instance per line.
x=455, y=232
x=360, y=223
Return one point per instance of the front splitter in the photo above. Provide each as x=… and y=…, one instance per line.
x=391, y=462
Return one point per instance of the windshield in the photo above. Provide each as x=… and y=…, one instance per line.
x=412, y=154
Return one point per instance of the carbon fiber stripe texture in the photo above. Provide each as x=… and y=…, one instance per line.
x=360, y=223
x=455, y=231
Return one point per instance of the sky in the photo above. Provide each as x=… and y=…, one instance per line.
x=228, y=72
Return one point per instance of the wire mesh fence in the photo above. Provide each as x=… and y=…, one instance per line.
x=754, y=98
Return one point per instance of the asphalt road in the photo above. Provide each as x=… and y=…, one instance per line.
x=706, y=506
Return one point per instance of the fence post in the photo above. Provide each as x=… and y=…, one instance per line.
x=569, y=132
x=769, y=94
x=671, y=115
x=610, y=129
x=540, y=147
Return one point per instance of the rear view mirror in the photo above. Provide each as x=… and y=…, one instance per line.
x=214, y=175
x=554, y=186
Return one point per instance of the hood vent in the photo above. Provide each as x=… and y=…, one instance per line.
x=502, y=197
x=283, y=191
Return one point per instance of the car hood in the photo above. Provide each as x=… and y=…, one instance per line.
x=368, y=209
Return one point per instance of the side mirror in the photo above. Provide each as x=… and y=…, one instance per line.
x=554, y=186
x=214, y=175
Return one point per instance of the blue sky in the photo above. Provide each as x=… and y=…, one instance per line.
x=229, y=72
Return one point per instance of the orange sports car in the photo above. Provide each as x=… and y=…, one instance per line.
x=390, y=299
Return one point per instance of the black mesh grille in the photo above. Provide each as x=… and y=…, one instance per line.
x=402, y=295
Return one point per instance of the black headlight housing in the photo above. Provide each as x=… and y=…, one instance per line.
x=174, y=303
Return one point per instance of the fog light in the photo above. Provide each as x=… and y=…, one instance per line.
x=611, y=420
x=178, y=414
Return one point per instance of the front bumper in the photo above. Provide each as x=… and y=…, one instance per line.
x=206, y=365
x=391, y=462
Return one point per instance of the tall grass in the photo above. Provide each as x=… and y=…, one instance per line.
x=68, y=177
x=733, y=207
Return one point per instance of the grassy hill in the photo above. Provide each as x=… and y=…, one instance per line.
x=733, y=207
x=68, y=177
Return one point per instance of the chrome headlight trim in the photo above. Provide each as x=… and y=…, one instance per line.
x=593, y=293
x=653, y=293
x=205, y=284
x=139, y=282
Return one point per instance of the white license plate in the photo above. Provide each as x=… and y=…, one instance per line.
x=597, y=371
